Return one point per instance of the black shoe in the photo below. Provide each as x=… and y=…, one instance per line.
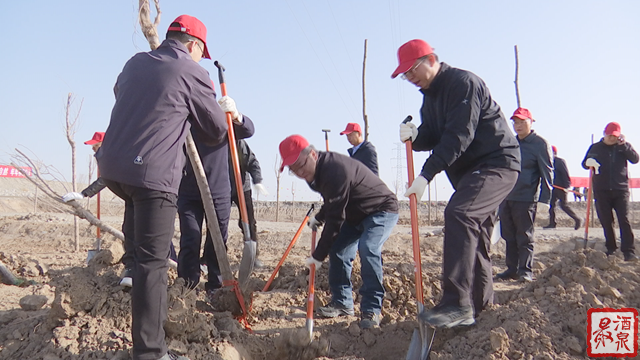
x=549, y=226
x=127, y=278
x=526, y=278
x=334, y=310
x=507, y=275
x=449, y=316
x=578, y=224
x=172, y=356
x=369, y=320
x=610, y=252
x=631, y=257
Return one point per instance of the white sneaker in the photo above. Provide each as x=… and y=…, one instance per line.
x=127, y=278
x=172, y=264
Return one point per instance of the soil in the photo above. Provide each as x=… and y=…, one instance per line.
x=86, y=315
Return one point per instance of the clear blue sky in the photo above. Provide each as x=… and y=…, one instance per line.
x=295, y=67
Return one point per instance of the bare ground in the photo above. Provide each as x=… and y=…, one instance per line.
x=87, y=316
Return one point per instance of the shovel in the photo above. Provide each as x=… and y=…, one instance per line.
x=422, y=337
x=249, y=250
x=589, y=196
x=312, y=291
x=286, y=252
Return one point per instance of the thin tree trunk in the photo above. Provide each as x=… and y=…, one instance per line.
x=364, y=100
x=515, y=48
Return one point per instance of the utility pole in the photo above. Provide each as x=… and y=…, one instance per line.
x=400, y=161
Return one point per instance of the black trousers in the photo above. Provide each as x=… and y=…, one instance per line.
x=191, y=214
x=558, y=195
x=149, y=225
x=469, y=218
x=516, y=227
x=606, y=202
x=250, y=213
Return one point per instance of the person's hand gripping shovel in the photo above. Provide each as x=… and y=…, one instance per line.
x=422, y=337
x=249, y=250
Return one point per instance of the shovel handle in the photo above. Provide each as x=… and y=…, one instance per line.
x=589, y=196
x=415, y=230
x=312, y=279
x=286, y=252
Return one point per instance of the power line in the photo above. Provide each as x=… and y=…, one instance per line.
x=400, y=166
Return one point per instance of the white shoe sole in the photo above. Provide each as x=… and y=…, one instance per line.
x=126, y=282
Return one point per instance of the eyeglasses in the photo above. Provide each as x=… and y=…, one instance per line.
x=294, y=170
x=413, y=68
x=200, y=47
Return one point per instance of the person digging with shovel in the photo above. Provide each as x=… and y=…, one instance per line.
x=472, y=142
x=160, y=95
x=358, y=213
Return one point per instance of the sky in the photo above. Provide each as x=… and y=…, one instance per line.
x=295, y=67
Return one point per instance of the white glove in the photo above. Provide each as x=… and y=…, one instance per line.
x=417, y=187
x=312, y=261
x=261, y=190
x=407, y=131
x=72, y=196
x=228, y=105
x=313, y=223
x=591, y=162
x=542, y=207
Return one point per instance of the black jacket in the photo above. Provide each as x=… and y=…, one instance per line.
x=613, y=165
x=561, y=173
x=367, y=155
x=351, y=192
x=463, y=126
x=215, y=160
x=249, y=166
x=536, y=176
x=94, y=188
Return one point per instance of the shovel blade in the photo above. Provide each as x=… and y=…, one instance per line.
x=415, y=347
x=247, y=262
x=421, y=341
x=496, y=235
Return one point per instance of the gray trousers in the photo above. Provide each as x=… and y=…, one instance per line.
x=516, y=226
x=469, y=218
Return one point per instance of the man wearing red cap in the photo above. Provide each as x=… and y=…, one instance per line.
x=362, y=150
x=561, y=185
x=471, y=141
x=607, y=160
x=532, y=190
x=160, y=95
x=359, y=213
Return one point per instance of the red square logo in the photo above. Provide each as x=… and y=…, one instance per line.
x=612, y=332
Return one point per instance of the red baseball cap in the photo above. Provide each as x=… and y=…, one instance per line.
x=351, y=127
x=194, y=27
x=554, y=149
x=97, y=137
x=612, y=128
x=408, y=53
x=290, y=149
x=522, y=114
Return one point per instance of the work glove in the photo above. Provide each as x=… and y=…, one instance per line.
x=261, y=190
x=228, y=105
x=408, y=131
x=312, y=261
x=591, y=162
x=313, y=223
x=542, y=207
x=417, y=187
x=72, y=196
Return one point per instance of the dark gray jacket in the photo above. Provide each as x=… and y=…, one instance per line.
x=160, y=95
x=249, y=167
x=367, y=155
x=463, y=126
x=613, y=174
x=536, y=176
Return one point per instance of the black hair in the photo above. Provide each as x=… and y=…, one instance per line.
x=182, y=37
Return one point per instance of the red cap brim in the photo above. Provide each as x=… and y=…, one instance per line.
x=347, y=132
x=288, y=161
x=402, y=68
x=91, y=142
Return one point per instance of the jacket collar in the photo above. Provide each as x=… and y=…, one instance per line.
x=529, y=138
x=438, y=80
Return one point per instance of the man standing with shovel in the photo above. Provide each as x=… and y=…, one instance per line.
x=472, y=142
x=160, y=95
x=359, y=213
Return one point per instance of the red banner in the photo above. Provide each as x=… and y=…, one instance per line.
x=10, y=171
x=634, y=183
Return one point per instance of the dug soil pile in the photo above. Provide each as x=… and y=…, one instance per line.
x=86, y=315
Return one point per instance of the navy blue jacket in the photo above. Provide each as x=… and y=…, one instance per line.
x=561, y=173
x=215, y=160
x=367, y=155
x=160, y=95
x=463, y=126
x=613, y=165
